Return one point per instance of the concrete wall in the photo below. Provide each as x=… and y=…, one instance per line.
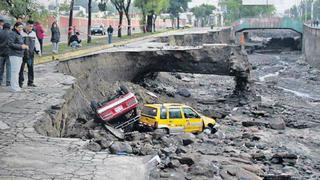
x=311, y=45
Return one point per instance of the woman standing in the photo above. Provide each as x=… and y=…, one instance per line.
x=40, y=33
x=55, y=37
x=16, y=52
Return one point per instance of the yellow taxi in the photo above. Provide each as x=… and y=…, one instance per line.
x=175, y=118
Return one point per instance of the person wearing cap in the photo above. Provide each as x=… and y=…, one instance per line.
x=4, y=56
x=16, y=52
x=30, y=39
x=1, y=23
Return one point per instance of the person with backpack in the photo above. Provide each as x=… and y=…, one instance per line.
x=30, y=39
x=16, y=51
x=4, y=56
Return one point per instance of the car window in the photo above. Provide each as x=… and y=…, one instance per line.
x=175, y=113
x=163, y=113
x=149, y=111
x=189, y=113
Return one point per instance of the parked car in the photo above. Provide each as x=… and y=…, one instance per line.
x=175, y=118
x=98, y=30
x=123, y=102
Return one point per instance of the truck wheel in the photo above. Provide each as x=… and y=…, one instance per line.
x=94, y=105
x=124, y=89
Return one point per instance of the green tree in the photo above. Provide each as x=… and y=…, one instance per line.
x=151, y=9
x=176, y=7
x=122, y=7
x=234, y=10
x=20, y=8
x=202, y=13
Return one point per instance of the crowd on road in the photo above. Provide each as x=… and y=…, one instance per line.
x=20, y=43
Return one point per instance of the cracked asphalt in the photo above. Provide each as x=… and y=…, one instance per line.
x=25, y=154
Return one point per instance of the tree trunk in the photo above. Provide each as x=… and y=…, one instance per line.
x=89, y=21
x=154, y=22
x=120, y=23
x=70, y=19
x=178, y=21
x=149, y=22
x=144, y=21
x=129, y=23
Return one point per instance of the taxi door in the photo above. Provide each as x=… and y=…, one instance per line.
x=193, y=120
x=176, y=120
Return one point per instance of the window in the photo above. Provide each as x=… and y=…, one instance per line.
x=175, y=113
x=163, y=113
x=149, y=111
x=189, y=113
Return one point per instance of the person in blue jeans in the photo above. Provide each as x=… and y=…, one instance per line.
x=30, y=39
x=110, y=32
x=4, y=55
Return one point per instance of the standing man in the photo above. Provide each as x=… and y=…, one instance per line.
x=30, y=39
x=1, y=23
x=110, y=31
x=4, y=55
x=16, y=50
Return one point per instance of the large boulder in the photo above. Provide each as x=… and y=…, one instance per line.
x=120, y=147
x=277, y=124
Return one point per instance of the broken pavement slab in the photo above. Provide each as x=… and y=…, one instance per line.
x=26, y=154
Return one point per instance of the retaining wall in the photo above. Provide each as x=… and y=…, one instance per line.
x=311, y=45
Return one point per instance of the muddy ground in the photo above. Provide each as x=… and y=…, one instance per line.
x=273, y=135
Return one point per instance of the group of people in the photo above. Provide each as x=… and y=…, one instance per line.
x=315, y=23
x=17, y=48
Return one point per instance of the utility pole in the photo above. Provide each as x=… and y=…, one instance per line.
x=312, y=8
x=89, y=21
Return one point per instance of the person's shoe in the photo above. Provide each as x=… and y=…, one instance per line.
x=20, y=85
x=32, y=85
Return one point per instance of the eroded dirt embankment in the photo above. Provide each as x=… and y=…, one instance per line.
x=275, y=137
x=98, y=75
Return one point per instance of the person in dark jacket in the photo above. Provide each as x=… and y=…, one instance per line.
x=16, y=52
x=110, y=32
x=4, y=56
x=30, y=39
x=75, y=41
x=55, y=37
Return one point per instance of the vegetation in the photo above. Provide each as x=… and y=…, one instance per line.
x=202, y=13
x=234, y=10
x=303, y=10
x=123, y=7
x=28, y=9
x=176, y=7
x=150, y=10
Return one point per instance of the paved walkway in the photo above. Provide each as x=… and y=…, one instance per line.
x=27, y=155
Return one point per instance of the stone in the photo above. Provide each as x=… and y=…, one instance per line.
x=104, y=143
x=188, y=138
x=284, y=158
x=93, y=146
x=174, y=163
x=168, y=150
x=253, y=123
x=258, y=156
x=120, y=147
x=184, y=93
x=277, y=177
x=147, y=149
x=158, y=133
x=236, y=172
x=277, y=124
x=186, y=159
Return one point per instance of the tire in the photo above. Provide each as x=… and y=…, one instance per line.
x=124, y=89
x=207, y=130
x=94, y=106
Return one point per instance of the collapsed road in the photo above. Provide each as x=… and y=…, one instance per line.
x=268, y=120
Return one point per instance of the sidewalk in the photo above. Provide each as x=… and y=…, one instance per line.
x=97, y=44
